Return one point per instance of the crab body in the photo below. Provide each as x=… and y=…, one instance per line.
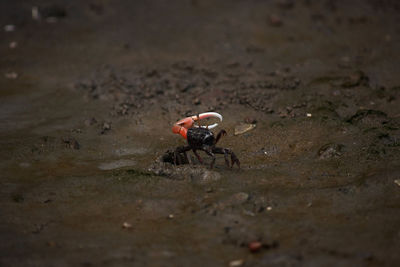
x=200, y=138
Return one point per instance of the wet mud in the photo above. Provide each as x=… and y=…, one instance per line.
x=309, y=92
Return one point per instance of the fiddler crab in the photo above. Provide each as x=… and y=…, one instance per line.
x=201, y=138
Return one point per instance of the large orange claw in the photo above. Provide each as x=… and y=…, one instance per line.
x=183, y=125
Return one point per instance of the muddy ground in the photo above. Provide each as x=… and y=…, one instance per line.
x=89, y=91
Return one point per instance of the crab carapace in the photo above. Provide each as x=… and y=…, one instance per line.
x=201, y=138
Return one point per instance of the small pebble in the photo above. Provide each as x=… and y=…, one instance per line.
x=13, y=45
x=397, y=182
x=269, y=208
x=11, y=75
x=196, y=101
x=106, y=127
x=35, y=13
x=9, y=28
x=126, y=225
x=309, y=115
x=255, y=246
x=171, y=216
x=209, y=190
x=236, y=263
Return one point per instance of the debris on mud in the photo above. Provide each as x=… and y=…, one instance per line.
x=105, y=127
x=255, y=246
x=236, y=263
x=355, y=79
x=369, y=117
x=71, y=142
x=184, y=84
x=90, y=122
x=243, y=128
x=11, y=75
x=126, y=225
x=330, y=150
x=252, y=241
x=13, y=45
x=35, y=13
x=9, y=28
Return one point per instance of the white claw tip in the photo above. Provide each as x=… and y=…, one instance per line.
x=211, y=114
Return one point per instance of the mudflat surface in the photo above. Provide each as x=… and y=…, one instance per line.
x=89, y=92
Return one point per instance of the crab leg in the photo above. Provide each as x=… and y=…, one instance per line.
x=226, y=152
x=198, y=156
x=181, y=149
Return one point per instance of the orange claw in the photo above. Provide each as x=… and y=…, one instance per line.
x=181, y=127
